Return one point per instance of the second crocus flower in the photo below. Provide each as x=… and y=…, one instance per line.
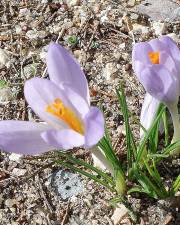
x=157, y=66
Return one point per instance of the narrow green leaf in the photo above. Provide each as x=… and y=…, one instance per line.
x=73, y=168
x=176, y=184
x=88, y=166
x=131, y=146
x=166, y=131
x=172, y=147
x=147, y=136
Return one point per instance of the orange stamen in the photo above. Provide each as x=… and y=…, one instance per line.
x=154, y=57
x=67, y=115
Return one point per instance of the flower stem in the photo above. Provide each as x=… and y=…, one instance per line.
x=176, y=123
x=97, y=153
x=116, y=172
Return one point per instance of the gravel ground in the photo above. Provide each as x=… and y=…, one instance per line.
x=100, y=34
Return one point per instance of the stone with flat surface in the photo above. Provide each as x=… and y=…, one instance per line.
x=160, y=10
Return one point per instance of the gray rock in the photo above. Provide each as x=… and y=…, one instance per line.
x=18, y=172
x=30, y=70
x=160, y=10
x=6, y=95
x=4, y=59
x=15, y=157
x=66, y=184
x=34, y=34
x=159, y=27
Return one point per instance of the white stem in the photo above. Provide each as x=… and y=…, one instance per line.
x=97, y=152
x=176, y=123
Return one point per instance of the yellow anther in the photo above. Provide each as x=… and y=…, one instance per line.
x=154, y=57
x=58, y=109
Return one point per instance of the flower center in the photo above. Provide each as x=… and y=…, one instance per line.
x=67, y=115
x=154, y=57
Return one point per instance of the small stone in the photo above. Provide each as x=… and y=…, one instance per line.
x=159, y=27
x=131, y=3
x=10, y=202
x=15, y=157
x=4, y=59
x=109, y=70
x=5, y=95
x=18, y=172
x=117, y=54
x=42, y=34
x=134, y=16
x=18, y=29
x=24, y=11
x=95, y=222
x=43, y=53
x=80, y=55
x=32, y=34
x=29, y=71
x=71, y=3
x=138, y=27
x=14, y=223
x=122, y=45
x=119, y=214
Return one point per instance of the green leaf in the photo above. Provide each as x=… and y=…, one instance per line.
x=3, y=84
x=172, y=147
x=155, y=156
x=72, y=40
x=176, y=184
x=87, y=166
x=156, y=178
x=131, y=146
x=148, y=134
x=166, y=131
x=136, y=189
x=93, y=177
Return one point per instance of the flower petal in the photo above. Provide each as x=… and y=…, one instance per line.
x=94, y=127
x=168, y=62
x=159, y=83
x=23, y=137
x=158, y=45
x=171, y=45
x=79, y=103
x=40, y=93
x=174, y=52
x=64, y=139
x=171, y=66
x=63, y=68
x=148, y=112
x=140, y=51
x=140, y=58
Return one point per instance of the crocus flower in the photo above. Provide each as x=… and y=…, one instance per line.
x=149, y=109
x=63, y=103
x=157, y=66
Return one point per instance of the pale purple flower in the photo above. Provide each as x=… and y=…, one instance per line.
x=63, y=103
x=148, y=112
x=157, y=66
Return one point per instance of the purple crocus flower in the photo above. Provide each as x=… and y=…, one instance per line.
x=63, y=103
x=157, y=66
x=148, y=112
